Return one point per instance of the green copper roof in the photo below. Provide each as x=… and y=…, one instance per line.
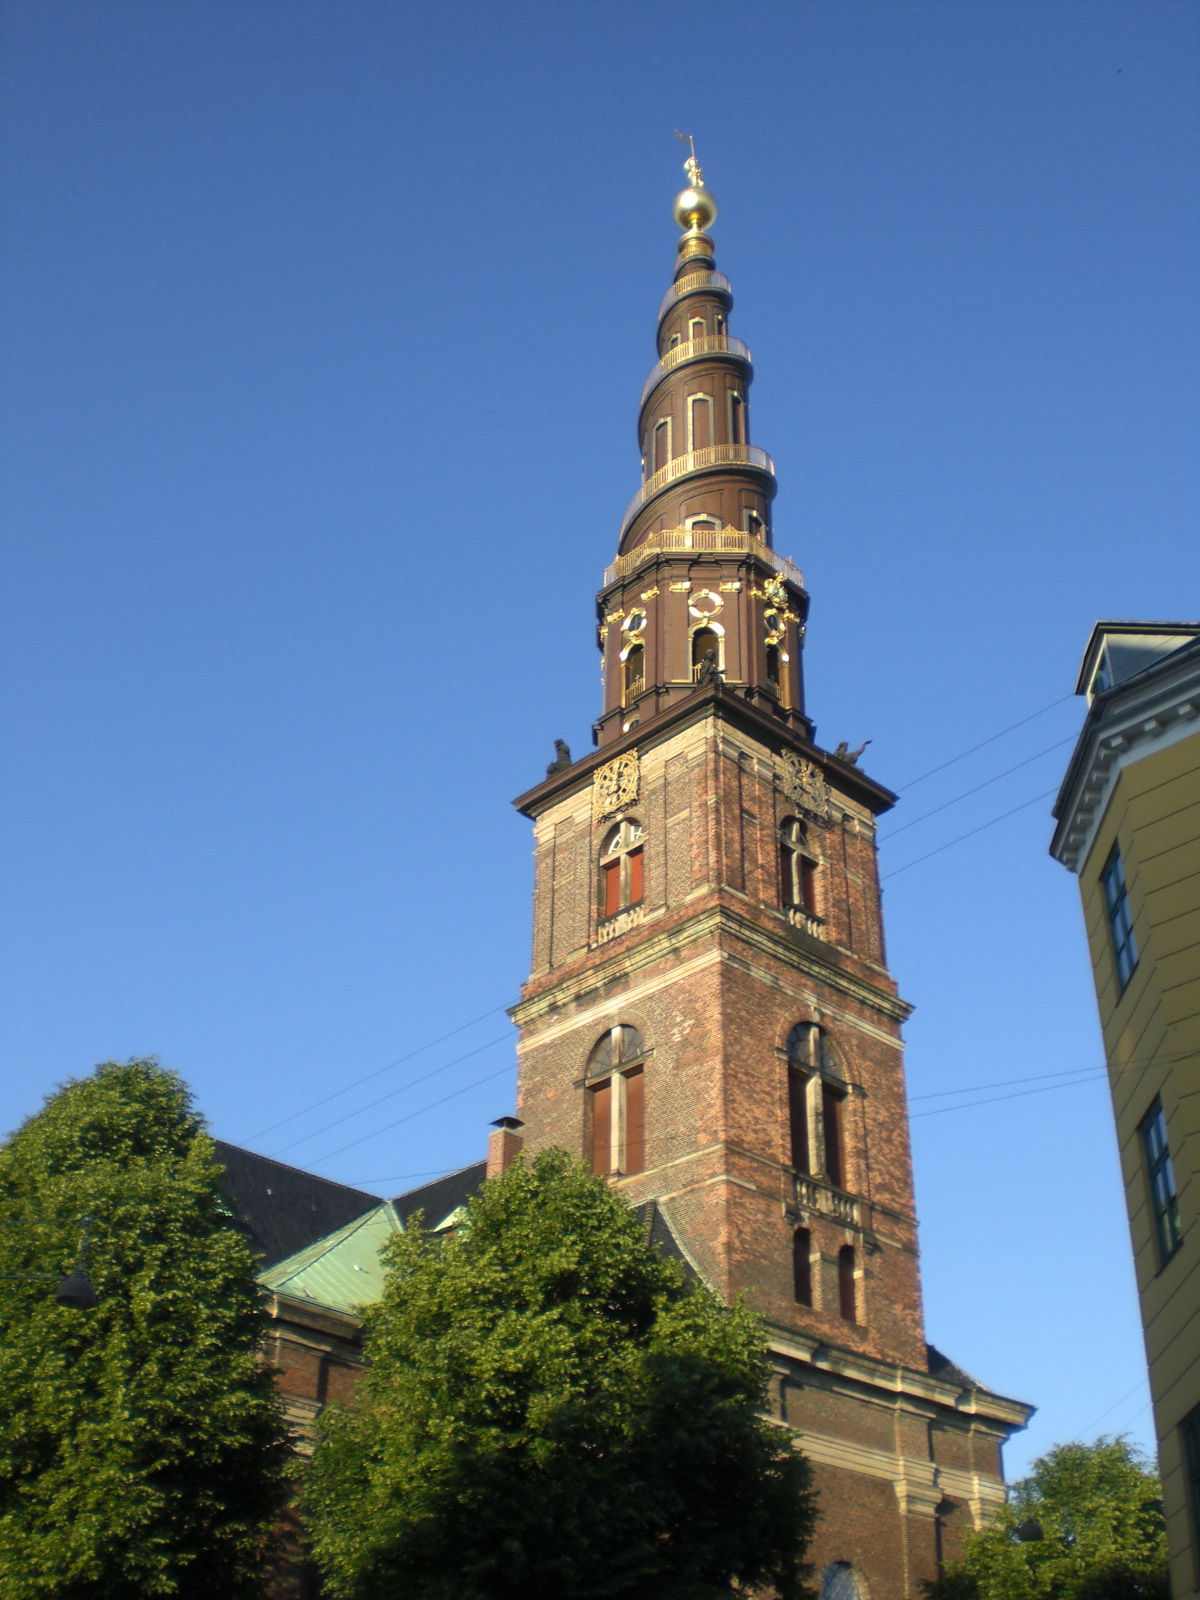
x=342, y=1271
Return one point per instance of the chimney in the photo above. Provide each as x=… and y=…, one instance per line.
x=504, y=1146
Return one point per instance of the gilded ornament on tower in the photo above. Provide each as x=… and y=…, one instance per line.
x=616, y=785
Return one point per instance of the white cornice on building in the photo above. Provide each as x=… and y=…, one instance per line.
x=1138, y=718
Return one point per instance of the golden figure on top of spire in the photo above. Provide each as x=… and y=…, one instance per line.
x=691, y=166
x=695, y=208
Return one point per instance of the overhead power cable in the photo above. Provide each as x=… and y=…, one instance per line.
x=392, y=1093
x=419, y=1112
x=983, y=743
x=991, y=823
x=410, y=1055
x=378, y=1071
x=1076, y=1075
x=967, y=793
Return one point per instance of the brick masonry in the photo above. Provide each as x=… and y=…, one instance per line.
x=712, y=971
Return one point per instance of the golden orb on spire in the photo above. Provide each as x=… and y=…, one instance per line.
x=695, y=208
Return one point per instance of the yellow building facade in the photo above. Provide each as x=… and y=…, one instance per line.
x=1128, y=826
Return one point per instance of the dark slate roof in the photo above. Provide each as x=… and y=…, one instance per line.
x=444, y=1195
x=942, y=1367
x=661, y=1235
x=282, y=1208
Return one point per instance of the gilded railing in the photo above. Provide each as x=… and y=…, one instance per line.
x=712, y=455
x=720, y=541
x=691, y=284
x=712, y=344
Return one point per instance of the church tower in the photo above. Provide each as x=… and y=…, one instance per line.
x=709, y=1019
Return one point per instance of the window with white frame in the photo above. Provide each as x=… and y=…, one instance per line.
x=1120, y=918
x=1160, y=1176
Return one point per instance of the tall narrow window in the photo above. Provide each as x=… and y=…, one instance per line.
x=661, y=453
x=617, y=1102
x=697, y=328
x=700, y=434
x=831, y=1124
x=737, y=419
x=802, y=1267
x=847, y=1290
x=816, y=1101
x=600, y=1098
x=1160, y=1174
x=1120, y=920
x=798, y=1082
x=631, y=1156
x=622, y=868
x=634, y=669
x=773, y=667
x=705, y=642
x=798, y=867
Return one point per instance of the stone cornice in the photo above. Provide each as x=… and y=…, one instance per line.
x=904, y=1384
x=721, y=922
x=705, y=700
x=1150, y=712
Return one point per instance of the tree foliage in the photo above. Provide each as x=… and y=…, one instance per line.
x=549, y=1411
x=142, y=1451
x=1099, y=1509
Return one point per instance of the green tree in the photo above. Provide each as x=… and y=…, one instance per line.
x=142, y=1450
x=548, y=1411
x=1098, y=1509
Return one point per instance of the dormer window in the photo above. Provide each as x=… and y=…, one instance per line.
x=1102, y=678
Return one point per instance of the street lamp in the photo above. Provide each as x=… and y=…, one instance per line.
x=76, y=1289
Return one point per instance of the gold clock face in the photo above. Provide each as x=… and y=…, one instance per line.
x=616, y=785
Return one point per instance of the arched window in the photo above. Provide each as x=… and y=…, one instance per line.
x=802, y=1267
x=661, y=453
x=773, y=667
x=847, y=1288
x=616, y=1102
x=838, y=1582
x=798, y=865
x=633, y=682
x=622, y=878
x=697, y=328
x=705, y=642
x=737, y=419
x=816, y=1100
x=700, y=428
x=704, y=523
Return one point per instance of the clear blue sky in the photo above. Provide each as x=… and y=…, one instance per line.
x=325, y=325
